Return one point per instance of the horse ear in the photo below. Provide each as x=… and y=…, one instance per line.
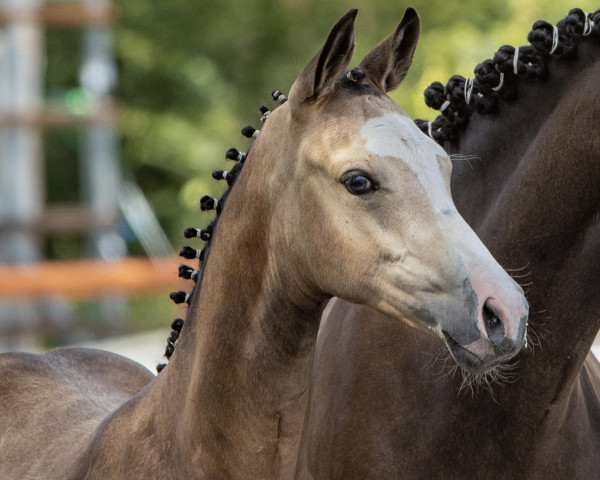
x=323, y=71
x=388, y=63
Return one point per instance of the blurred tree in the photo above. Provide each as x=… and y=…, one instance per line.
x=193, y=73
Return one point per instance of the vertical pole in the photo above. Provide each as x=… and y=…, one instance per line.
x=101, y=178
x=21, y=185
x=21, y=168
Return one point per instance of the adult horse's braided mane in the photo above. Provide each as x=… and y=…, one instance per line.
x=206, y=234
x=498, y=79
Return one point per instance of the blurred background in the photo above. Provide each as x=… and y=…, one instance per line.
x=114, y=113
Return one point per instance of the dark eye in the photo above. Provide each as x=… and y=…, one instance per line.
x=358, y=184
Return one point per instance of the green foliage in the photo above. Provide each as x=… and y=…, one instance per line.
x=193, y=73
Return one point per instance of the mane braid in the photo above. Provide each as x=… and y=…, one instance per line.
x=208, y=233
x=497, y=79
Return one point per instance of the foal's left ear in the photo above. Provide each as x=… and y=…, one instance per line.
x=321, y=74
x=388, y=63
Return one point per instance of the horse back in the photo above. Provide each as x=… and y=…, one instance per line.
x=52, y=404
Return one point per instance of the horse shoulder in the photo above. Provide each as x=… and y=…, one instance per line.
x=52, y=404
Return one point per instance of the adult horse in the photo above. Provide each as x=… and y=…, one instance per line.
x=326, y=176
x=384, y=403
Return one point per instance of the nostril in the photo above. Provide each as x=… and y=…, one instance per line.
x=493, y=324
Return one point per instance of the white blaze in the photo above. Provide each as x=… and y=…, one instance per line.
x=395, y=135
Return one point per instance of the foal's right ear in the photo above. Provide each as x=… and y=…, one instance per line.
x=321, y=74
x=388, y=63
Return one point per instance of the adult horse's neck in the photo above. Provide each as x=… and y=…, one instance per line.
x=532, y=196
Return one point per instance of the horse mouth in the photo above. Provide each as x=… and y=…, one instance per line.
x=469, y=361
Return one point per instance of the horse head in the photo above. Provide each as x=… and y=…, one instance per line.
x=361, y=207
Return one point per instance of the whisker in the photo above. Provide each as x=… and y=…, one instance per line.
x=499, y=376
x=464, y=158
x=435, y=358
x=458, y=157
x=517, y=269
x=521, y=276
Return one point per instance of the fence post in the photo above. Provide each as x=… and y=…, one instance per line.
x=21, y=171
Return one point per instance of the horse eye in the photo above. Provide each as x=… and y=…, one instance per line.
x=358, y=184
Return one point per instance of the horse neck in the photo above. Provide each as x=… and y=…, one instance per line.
x=236, y=385
x=532, y=197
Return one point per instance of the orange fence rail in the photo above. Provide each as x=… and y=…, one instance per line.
x=63, y=14
x=89, y=279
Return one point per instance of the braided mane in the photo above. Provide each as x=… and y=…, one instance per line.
x=497, y=79
x=207, y=234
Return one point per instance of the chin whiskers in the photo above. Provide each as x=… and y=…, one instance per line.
x=474, y=384
x=443, y=360
x=499, y=376
x=536, y=333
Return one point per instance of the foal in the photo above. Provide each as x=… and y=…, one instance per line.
x=340, y=195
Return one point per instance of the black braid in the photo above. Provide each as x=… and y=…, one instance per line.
x=203, y=233
x=445, y=129
x=187, y=272
x=207, y=234
x=484, y=98
x=499, y=78
x=530, y=65
x=595, y=17
x=250, y=132
x=190, y=253
x=180, y=297
x=435, y=95
x=229, y=176
x=177, y=324
x=458, y=105
x=235, y=155
x=574, y=24
x=488, y=75
x=493, y=86
x=541, y=37
x=356, y=75
x=442, y=129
